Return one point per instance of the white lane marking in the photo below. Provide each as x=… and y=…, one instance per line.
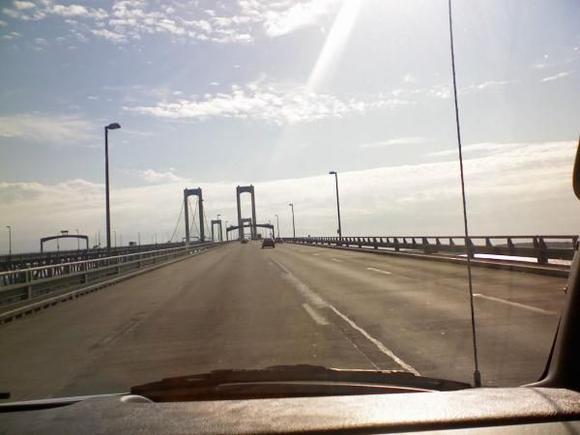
x=308, y=294
x=317, y=317
x=515, y=304
x=336, y=259
x=316, y=253
x=384, y=272
x=317, y=301
x=377, y=343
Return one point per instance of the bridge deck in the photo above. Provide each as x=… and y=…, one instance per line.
x=239, y=306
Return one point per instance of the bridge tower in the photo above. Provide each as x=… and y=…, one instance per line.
x=239, y=191
x=187, y=193
x=217, y=222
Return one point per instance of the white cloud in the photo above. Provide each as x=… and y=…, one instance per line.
x=237, y=22
x=107, y=34
x=268, y=102
x=21, y=5
x=412, y=140
x=74, y=10
x=152, y=176
x=11, y=36
x=53, y=130
x=486, y=147
x=28, y=11
x=516, y=189
x=486, y=85
x=560, y=75
x=292, y=15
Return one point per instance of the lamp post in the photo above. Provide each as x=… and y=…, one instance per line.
x=221, y=237
x=337, y=204
x=278, y=224
x=9, y=240
x=293, y=223
x=112, y=126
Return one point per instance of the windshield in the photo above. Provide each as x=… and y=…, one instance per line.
x=188, y=186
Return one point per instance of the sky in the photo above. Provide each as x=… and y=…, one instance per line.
x=215, y=94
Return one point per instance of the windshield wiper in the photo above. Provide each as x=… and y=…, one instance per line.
x=289, y=381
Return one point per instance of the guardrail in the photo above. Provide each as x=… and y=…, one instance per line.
x=31, y=283
x=542, y=248
x=35, y=259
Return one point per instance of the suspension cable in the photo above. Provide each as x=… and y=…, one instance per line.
x=178, y=222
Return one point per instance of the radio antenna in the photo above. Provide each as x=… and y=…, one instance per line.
x=476, y=373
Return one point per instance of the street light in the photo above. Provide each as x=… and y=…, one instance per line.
x=221, y=236
x=293, y=223
x=278, y=224
x=113, y=126
x=337, y=204
x=9, y=240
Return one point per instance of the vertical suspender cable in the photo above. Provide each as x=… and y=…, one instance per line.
x=476, y=373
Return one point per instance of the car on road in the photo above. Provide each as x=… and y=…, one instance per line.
x=244, y=241
x=268, y=243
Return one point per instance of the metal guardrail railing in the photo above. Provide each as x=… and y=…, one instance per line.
x=30, y=283
x=542, y=248
x=36, y=259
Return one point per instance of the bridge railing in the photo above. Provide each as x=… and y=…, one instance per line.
x=33, y=282
x=541, y=248
x=36, y=259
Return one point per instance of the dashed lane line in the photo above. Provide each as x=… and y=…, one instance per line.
x=314, y=299
x=515, y=304
x=317, y=317
x=384, y=272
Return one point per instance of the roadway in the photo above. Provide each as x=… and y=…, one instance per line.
x=239, y=306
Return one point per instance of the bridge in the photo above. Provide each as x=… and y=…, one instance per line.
x=99, y=320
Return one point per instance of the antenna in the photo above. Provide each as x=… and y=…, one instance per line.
x=476, y=373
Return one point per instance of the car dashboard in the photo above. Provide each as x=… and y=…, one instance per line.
x=482, y=410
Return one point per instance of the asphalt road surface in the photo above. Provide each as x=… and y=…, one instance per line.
x=239, y=306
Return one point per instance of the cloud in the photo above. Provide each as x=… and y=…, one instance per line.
x=486, y=85
x=28, y=11
x=45, y=129
x=558, y=76
x=22, y=5
x=292, y=15
x=235, y=22
x=152, y=176
x=477, y=147
x=520, y=188
x=11, y=35
x=268, y=102
x=443, y=91
x=107, y=34
x=413, y=140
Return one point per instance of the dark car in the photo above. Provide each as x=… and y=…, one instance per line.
x=244, y=240
x=268, y=243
